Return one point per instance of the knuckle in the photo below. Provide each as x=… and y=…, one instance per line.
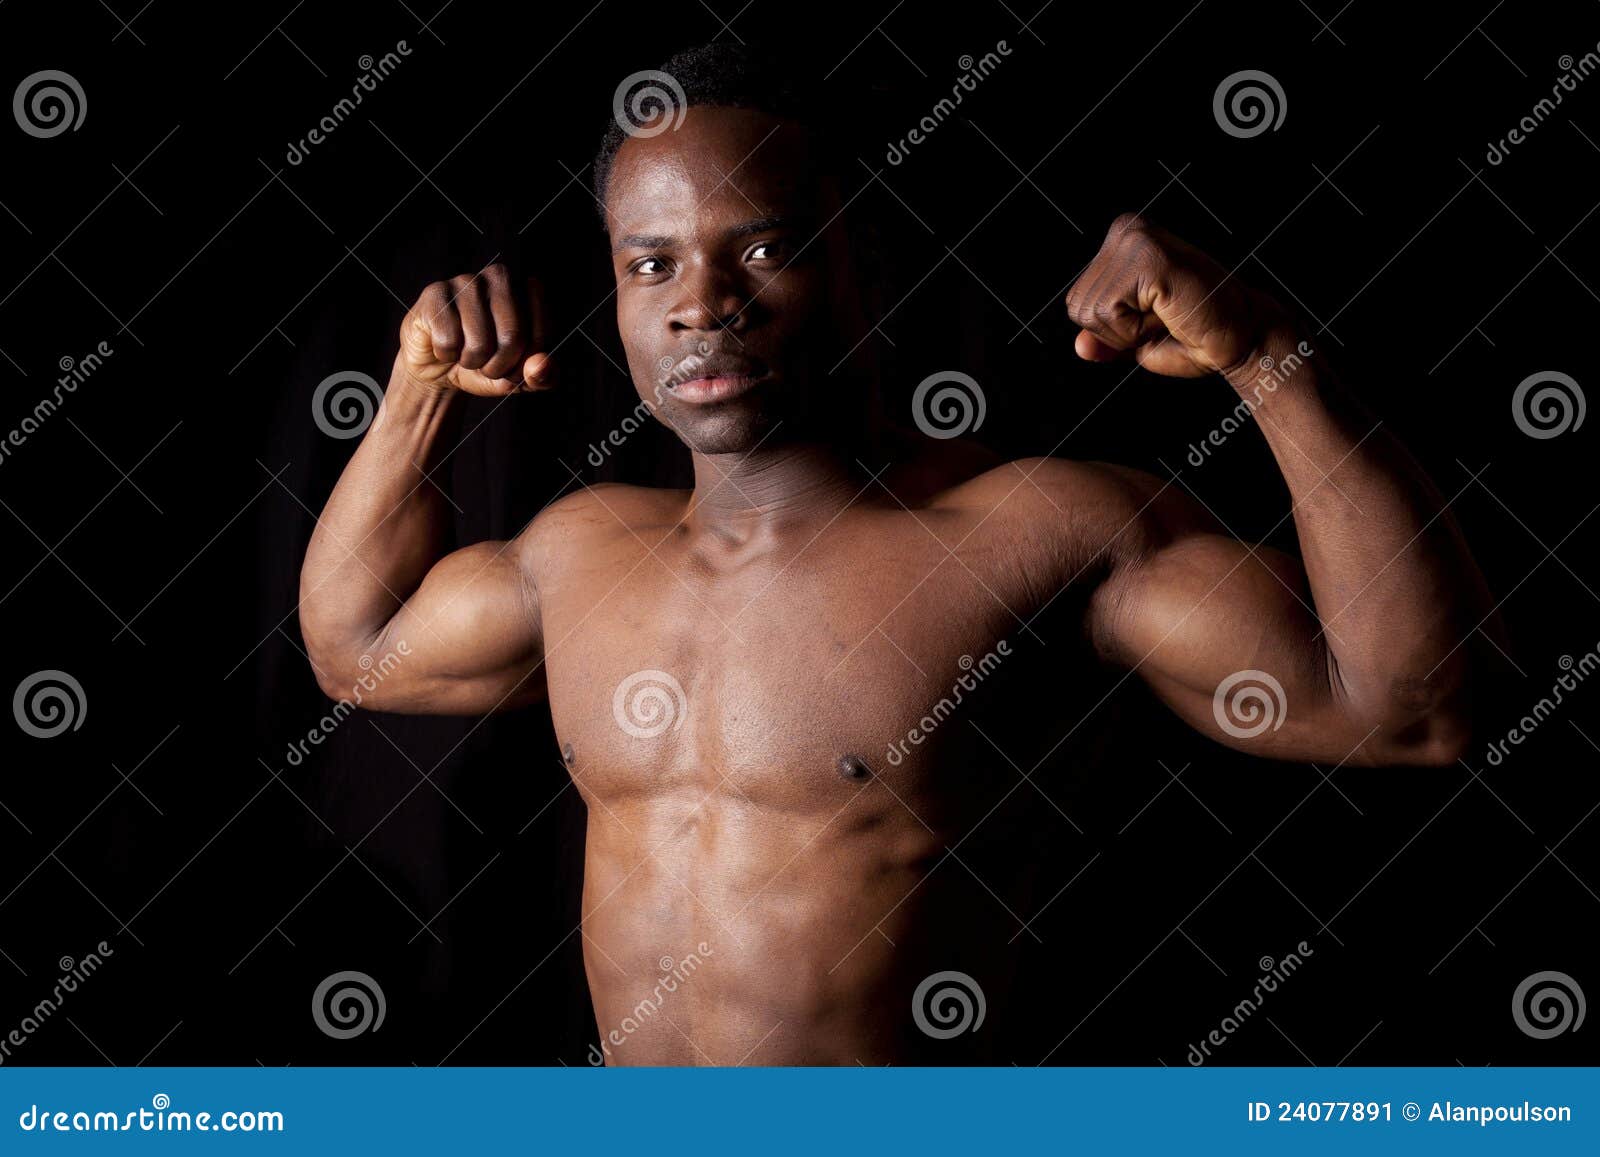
x=1109, y=307
x=444, y=321
x=446, y=332
x=429, y=299
x=1125, y=223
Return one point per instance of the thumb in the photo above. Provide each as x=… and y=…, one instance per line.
x=1168, y=357
x=538, y=372
x=1092, y=349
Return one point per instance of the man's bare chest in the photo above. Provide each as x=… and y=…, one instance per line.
x=791, y=678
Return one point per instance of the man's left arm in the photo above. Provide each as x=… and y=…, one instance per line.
x=1366, y=642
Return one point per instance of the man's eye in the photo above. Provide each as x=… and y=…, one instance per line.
x=644, y=266
x=769, y=251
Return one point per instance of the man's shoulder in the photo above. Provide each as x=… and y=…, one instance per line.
x=603, y=510
x=1059, y=518
x=1075, y=489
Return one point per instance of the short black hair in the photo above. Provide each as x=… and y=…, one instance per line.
x=726, y=75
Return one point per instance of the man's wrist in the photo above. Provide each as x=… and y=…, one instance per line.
x=1284, y=358
x=411, y=394
x=413, y=408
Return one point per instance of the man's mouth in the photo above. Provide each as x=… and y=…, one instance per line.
x=718, y=389
x=715, y=378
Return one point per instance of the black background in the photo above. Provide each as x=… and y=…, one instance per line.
x=155, y=524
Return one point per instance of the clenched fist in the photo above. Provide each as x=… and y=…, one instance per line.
x=1177, y=311
x=477, y=334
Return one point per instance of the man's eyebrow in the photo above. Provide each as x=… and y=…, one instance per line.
x=762, y=224
x=641, y=241
x=744, y=229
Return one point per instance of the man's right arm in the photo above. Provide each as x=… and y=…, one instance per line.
x=383, y=608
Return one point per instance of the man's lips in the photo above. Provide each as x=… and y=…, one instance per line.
x=721, y=388
x=715, y=377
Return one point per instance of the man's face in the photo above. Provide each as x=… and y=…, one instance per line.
x=728, y=297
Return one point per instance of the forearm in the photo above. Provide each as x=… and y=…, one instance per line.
x=1394, y=587
x=384, y=525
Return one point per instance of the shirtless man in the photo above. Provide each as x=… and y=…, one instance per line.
x=794, y=697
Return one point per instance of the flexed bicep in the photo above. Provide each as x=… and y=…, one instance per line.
x=467, y=642
x=389, y=619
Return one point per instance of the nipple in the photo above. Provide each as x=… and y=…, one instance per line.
x=852, y=767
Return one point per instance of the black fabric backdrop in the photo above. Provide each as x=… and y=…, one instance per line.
x=156, y=520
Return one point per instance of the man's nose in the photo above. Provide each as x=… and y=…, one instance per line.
x=710, y=297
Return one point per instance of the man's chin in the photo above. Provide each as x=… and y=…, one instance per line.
x=726, y=429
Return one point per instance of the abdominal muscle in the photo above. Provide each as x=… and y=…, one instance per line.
x=716, y=932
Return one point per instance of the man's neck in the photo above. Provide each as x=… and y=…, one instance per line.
x=740, y=496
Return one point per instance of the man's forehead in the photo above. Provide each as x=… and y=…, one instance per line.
x=717, y=162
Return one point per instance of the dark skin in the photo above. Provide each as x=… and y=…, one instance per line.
x=812, y=617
